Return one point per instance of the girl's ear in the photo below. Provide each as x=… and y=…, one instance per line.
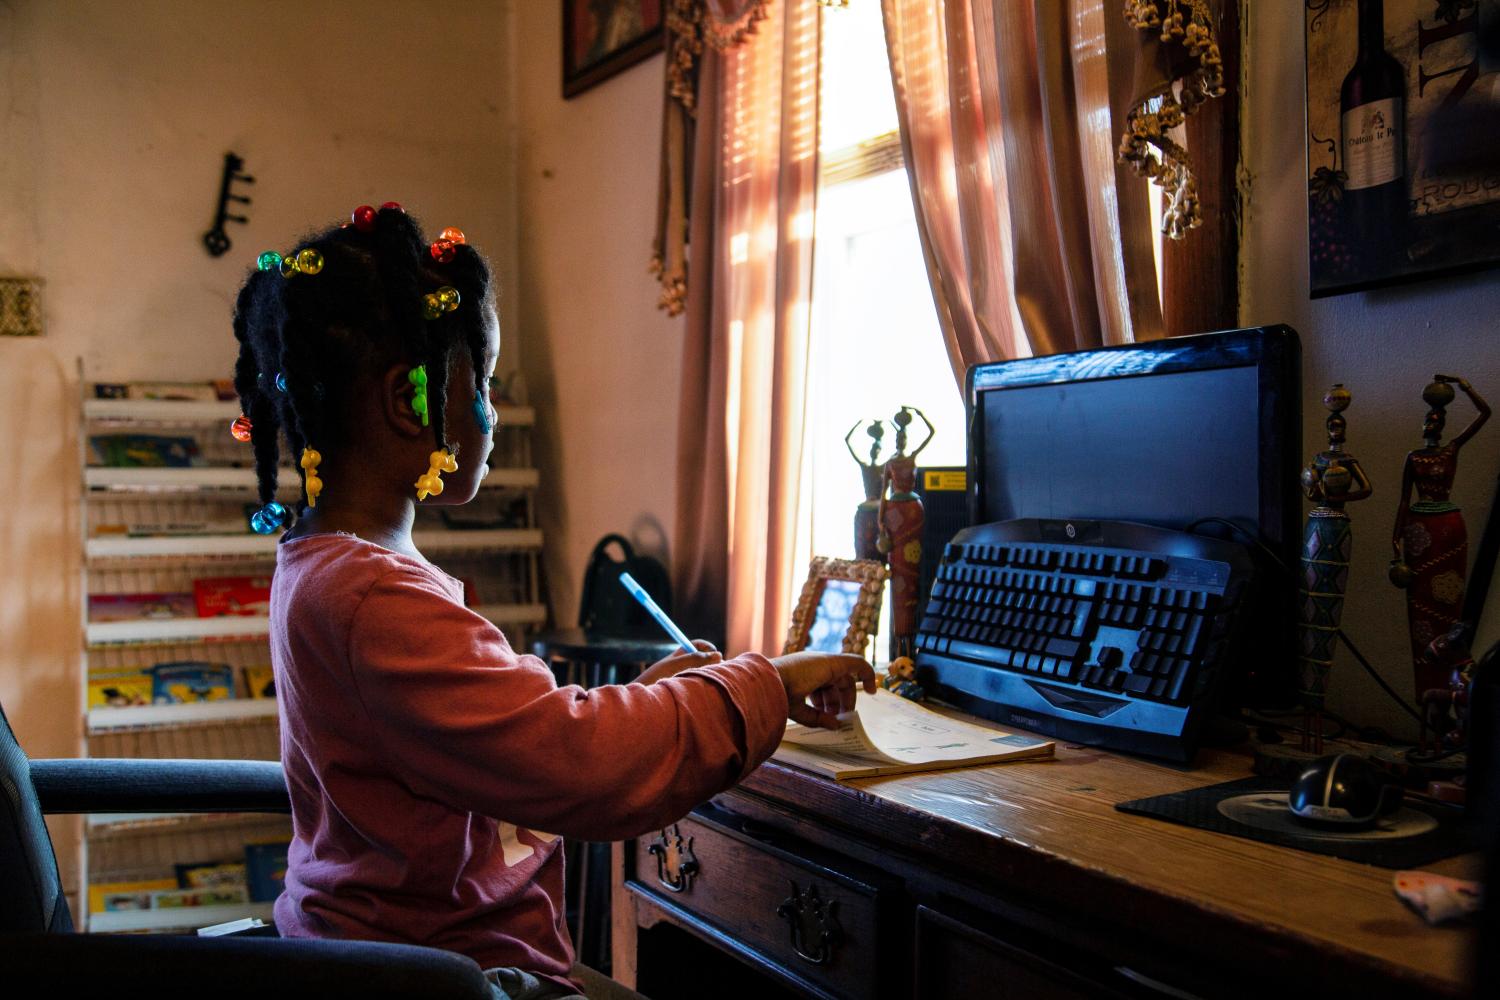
x=396, y=394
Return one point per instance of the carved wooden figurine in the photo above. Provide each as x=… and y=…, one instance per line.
x=900, y=538
x=1332, y=479
x=1430, y=544
x=867, y=514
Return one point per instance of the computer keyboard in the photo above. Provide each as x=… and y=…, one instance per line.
x=1101, y=632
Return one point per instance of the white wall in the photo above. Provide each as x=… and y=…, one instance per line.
x=116, y=118
x=602, y=363
x=1384, y=345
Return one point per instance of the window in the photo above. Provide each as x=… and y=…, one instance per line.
x=876, y=344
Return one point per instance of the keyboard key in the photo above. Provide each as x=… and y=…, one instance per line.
x=1064, y=648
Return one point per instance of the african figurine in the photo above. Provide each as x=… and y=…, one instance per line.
x=1332, y=479
x=867, y=514
x=1430, y=544
x=900, y=539
x=1445, y=709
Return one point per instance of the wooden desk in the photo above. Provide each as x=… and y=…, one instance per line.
x=1023, y=880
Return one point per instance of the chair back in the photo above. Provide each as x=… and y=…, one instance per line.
x=31, y=896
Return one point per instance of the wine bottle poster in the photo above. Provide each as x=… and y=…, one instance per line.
x=1403, y=140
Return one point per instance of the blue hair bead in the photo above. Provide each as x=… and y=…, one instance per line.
x=268, y=518
x=280, y=382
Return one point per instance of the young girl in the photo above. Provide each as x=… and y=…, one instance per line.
x=432, y=769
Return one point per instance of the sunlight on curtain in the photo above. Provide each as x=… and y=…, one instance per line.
x=768, y=187
x=876, y=344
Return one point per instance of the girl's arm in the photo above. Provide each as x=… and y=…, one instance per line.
x=463, y=719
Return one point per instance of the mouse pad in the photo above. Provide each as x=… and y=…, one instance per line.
x=1416, y=834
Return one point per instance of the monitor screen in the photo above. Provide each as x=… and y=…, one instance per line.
x=1167, y=433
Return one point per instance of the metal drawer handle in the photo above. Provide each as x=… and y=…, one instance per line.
x=675, y=862
x=814, y=924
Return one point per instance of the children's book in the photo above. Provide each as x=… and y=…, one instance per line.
x=196, y=391
x=223, y=895
x=133, y=607
x=172, y=529
x=260, y=682
x=887, y=734
x=132, y=451
x=190, y=681
x=210, y=874
x=232, y=595
x=119, y=688
x=265, y=867
x=105, y=897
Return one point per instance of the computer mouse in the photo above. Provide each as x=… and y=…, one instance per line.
x=1343, y=790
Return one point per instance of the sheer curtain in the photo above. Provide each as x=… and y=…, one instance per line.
x=1036, y=241
x=745, y=354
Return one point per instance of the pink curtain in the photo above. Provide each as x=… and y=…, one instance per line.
x=1035, y=240
x=745, y=354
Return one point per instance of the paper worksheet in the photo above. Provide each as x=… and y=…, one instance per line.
x=887, y=734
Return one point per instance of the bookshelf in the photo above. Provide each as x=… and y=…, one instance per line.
x=159, y=531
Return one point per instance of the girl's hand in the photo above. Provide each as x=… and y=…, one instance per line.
x=829, y=678
x=680, y=661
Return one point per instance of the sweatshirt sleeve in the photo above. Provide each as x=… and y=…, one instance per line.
x=465, y=720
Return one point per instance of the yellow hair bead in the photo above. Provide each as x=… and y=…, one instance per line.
x=430, y=483
x=310, y=459
x=448, y=298
x=309, y=261
x=432, y=308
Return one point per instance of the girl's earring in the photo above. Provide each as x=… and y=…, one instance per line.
x=430, y=483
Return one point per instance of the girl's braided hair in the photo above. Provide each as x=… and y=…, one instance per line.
x=362, y=312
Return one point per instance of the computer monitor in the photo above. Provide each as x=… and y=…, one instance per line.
x=1167, y=433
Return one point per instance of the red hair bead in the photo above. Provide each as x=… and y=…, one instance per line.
x=452, y=235
x=364, y=219
x=394, y=206
x=240, y=429
x=442, y=251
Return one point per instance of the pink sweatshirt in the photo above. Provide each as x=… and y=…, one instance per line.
x=425, y=758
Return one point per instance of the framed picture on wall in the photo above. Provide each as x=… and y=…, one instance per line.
x=1403, y=106
x=603, y=37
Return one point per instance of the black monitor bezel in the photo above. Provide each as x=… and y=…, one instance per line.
x=1276, y=354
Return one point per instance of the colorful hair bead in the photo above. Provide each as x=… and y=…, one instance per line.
x=309, y=261
x=418, y=377
x=482, y=412
x=452, y=234
x=442, y=251
x=364, y=219
x=240, y=429
x=289, y=265
x=280, y=382
x=445, y=299
x=394, y=206
x=430, y=483
x=268, y=518
x=268, y=261
x=310, y=460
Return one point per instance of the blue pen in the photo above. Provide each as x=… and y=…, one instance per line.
x=639, y=593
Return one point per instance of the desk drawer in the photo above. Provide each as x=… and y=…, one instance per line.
x=811, y=918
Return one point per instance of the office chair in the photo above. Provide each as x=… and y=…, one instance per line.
x=38, y=944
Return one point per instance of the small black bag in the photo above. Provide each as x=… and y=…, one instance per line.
x=607, y=606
